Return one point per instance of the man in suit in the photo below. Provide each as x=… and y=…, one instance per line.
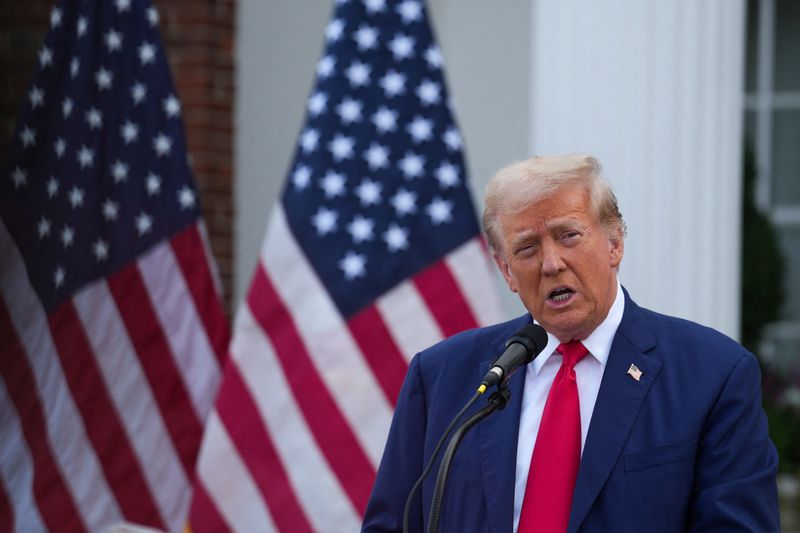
x=628, y=420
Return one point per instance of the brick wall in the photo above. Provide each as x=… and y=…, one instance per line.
x=199, y=38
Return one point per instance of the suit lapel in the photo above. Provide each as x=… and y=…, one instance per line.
x=618, y=403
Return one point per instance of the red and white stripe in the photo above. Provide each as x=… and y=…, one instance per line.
x=306, y=401
x=107, y=395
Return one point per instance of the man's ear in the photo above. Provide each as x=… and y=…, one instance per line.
x=617, y=250
x=502, y=264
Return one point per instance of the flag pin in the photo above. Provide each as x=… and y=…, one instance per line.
x=634, y=372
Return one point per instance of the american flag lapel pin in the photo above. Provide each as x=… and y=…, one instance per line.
x=634, y=372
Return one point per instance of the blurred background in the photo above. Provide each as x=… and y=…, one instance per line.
x=693, y=108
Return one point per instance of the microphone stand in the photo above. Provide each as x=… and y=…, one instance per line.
x=496, y=402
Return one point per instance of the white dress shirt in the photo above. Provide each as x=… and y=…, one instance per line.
x=539, y=377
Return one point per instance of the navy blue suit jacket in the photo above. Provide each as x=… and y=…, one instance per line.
x=685, y=448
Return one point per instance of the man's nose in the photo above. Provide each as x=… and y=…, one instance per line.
x=552, y=263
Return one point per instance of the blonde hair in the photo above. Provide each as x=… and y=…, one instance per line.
x=526, y=182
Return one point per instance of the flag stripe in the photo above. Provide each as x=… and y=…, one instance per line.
x=66, y=434
x=475, y=275
x=183, y=328
x=243, y=421
x=334, y=435
x=380, y=350
x=190, y=253
x=230, y=483
x=103, y=426
x=155, y=355
x=317, y=488
x=335, y=356
x=443, y=297
x=408, y=319
x=208, y=518
x=133, y=400
x=53, y=498
x=6, y=512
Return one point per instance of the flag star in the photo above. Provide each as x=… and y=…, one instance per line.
x=94, y=118
x=428, y=92
x=412, y=165
x=420, y=129
x=119, y=171
x=58, y=277
x=103, y=79
x=60, y=146
x=334, y=30
x=28, y=137
x=45, y=56
x=385, y=120
x=75, y=197
x=138, y=92
x=36, y=96
x=440, y=211
x=434, y=57
x=393, y=83
x=377, y=156
x=152, y=16
x=369, y=192
x=67, y=236
x=453, y=139
x=162, y=145
x=341, y=147
x=402, y=46
x=404, y=202
x=172, y=107
x=410, y=11
x=186, y=197
x=396, y=238
x=147, y=53
x=100, y=249
x=349, y=111
x=129, y=132
x=301, y=177
x=19, y=177
x=52, y=187
x=309, y=139
x=144, y=223
x=374, y=6
x=153, y=184
x=110, y=210
x=55, y=17
x=317, y=103
x=332, y=184
x=113, y=40
x=74, y=66
x=366, y=38
x=358, y=74
x=123, y=5
x=325, y=66
x=43, y=228
x=324, y=220
x=66, y=107
x=447, y=174
x=361, y=229
x=80, y=26
x=353, y=265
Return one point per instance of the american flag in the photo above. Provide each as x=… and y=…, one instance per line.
x=372, y=254
x=112, y=335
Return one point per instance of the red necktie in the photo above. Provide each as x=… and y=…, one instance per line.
x=557, y=452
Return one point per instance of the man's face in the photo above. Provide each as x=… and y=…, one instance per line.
x=561, y=261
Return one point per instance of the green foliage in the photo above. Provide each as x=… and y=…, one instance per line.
x=762, y=298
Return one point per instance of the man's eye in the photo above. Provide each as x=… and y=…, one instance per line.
x=570, y=235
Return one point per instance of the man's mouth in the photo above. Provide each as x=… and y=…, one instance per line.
x=560, y=295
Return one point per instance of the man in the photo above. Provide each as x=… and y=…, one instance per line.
x=627, y=421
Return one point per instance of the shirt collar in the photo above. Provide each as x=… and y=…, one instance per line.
x=598, y=343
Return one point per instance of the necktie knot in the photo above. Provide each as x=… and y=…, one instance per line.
x=572, y=352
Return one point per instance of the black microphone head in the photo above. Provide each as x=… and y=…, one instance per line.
x=533, y=337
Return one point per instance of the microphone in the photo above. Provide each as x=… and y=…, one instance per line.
x=521, y=349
